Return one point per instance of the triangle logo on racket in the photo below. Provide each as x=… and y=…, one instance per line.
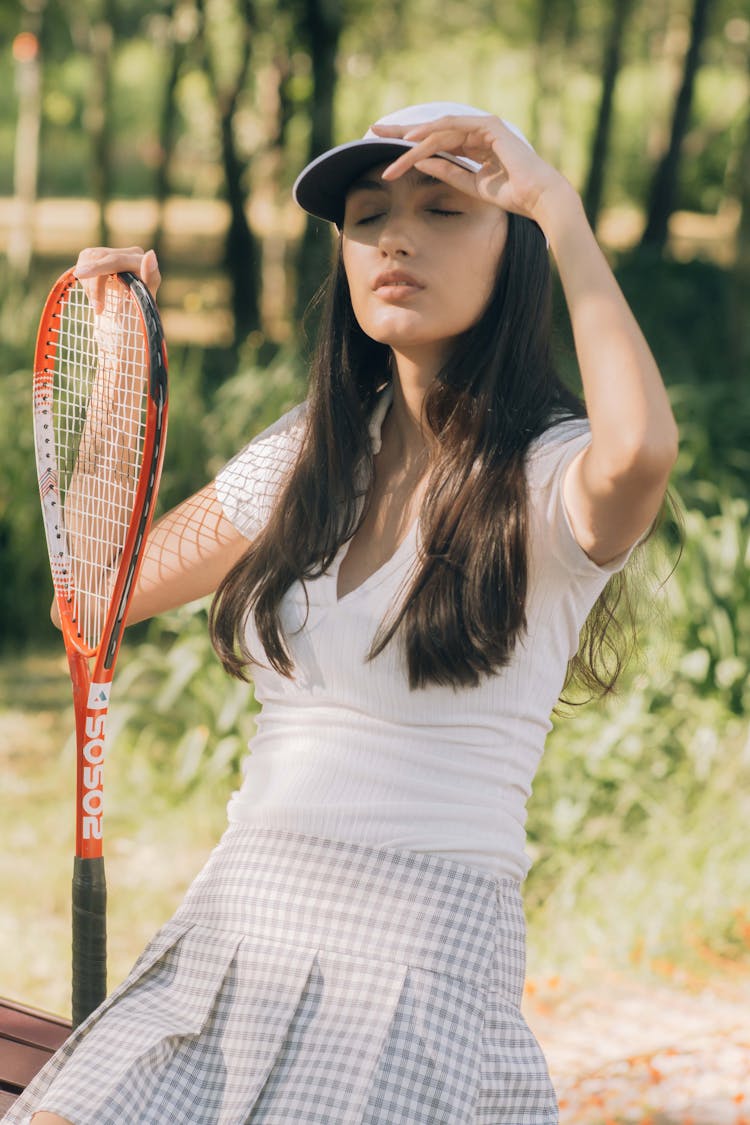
x=98, y=696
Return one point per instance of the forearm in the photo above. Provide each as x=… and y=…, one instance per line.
x=628, y=406
x=187, y=553
x=98, y=497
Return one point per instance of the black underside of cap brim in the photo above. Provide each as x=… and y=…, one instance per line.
x=321, y=190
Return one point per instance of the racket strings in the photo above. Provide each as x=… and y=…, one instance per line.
x=100, y=390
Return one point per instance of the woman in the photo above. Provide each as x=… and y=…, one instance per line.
x=420, y=543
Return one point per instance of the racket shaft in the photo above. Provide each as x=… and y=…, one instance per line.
x=89, y=937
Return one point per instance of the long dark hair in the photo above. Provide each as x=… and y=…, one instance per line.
x=498, y=390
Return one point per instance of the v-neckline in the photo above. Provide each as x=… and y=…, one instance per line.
x=375, y=426
x=377, y=576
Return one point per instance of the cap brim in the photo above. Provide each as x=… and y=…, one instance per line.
x=321, y=186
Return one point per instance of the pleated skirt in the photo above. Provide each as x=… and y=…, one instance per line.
x=314, y=981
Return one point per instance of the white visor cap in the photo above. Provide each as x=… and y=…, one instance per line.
x=320, y=188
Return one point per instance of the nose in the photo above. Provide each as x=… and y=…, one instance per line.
x=396, y=235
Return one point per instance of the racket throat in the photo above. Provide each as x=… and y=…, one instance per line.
x=91, y=699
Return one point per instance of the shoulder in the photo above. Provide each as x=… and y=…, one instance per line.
x=555, y=447
x=248, y=484
x=284, y=434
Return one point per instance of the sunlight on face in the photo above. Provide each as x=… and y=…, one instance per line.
x=447, y=243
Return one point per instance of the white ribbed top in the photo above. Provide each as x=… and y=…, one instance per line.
x=346, y=750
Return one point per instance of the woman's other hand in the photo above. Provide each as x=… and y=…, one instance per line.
x=512, y=175
x=95, y=263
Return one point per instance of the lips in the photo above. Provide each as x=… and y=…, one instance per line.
x=396, y=278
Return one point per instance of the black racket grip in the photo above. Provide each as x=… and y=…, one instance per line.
x=89, y=936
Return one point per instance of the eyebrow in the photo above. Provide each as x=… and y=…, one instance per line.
x=364, y=184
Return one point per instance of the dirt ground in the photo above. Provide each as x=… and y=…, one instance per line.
x=625, y=1051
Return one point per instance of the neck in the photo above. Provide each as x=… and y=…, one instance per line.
x=408, y=438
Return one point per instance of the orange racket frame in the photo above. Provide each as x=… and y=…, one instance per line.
x=91, y=686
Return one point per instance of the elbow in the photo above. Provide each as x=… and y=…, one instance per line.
x=652, y=459
x=667, y=448
x=661, y=457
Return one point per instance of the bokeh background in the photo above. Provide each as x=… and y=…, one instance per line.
x=182, y=125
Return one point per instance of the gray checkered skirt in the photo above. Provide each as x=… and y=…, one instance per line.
x=314, y=981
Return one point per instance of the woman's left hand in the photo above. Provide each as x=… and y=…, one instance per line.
x=512, y=175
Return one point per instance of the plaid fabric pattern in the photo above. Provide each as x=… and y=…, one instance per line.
x=318, y=982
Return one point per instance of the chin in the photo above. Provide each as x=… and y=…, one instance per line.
x=402, y=335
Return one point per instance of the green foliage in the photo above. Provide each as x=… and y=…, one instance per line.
x=611, y=768
x=682, y=310
x=251, y=400
x=26, y=590
x=648, y=784
x=175, y=711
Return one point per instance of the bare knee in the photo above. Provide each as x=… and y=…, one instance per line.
x=44, y=1118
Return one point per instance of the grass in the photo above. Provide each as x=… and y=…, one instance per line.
x=153, y=848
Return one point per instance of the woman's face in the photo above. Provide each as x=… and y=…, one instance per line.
x=446, y=243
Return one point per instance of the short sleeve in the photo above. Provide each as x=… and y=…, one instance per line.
x=548, y=457
x=249, y=484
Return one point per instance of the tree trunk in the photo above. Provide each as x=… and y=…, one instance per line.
x=594, y=187
x=739, y=276
x=26, y=157
x=556, y=29
x=664, y=187
x=167, y=129
x=242, y=257
x=321, y=30
x=241, y=246
x=275, y=104
x=101, y=40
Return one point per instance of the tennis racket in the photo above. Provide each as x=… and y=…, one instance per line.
x=100, y=420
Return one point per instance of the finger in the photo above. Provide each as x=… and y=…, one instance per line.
x=445, y=141
x=427, y=126
x=90, y=289
x=418, y=132
x=150, y=273
x=106, y=259
x=94, y=287
x=99, y=285
x=452, y=174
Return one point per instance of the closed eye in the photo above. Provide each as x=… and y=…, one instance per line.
x=432, y=211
